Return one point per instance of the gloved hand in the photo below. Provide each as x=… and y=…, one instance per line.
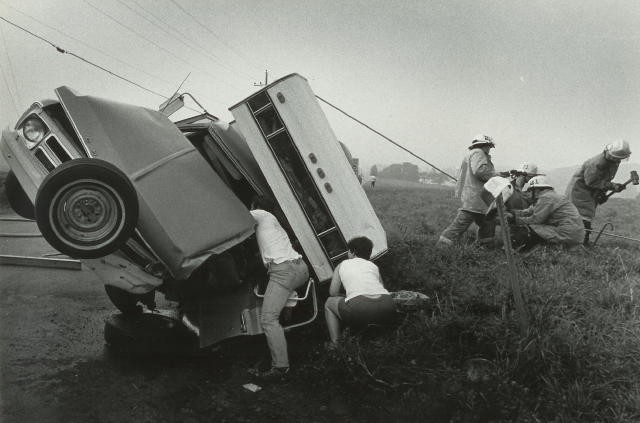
x=600, y=197
x=618, y=187
x=510, y=217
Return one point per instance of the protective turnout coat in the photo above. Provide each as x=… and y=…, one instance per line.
x=588, y=182
x=475, y=170
x=554, y=218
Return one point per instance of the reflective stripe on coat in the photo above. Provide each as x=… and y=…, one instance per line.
x=475, y=170
x=588, y=181
x=554, y=218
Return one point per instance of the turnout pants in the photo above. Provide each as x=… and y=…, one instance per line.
x=464, y=219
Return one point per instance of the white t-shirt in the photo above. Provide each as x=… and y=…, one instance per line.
x=360, y=277
x=273, y=241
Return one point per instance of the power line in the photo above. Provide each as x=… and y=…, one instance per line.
x=89, y=45
x=61, y=50
x=206, y=28
x=385, y=137
x=145, y=38
x=13, y=101
x=13, y=77
x=135, y=32
x=190, y=42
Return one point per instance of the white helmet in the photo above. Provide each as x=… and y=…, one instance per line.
x=482, y=140
x=618, y=150
x=529, y=168
x=536, y=182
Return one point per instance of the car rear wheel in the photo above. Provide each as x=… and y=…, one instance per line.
x=149, y=334
x=128, y=303
x=17, y=198
x=86, y=208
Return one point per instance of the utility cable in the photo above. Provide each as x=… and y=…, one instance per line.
x=214, y=59
x=385, y=137
x=206, y=28
x=63, y=51
x=13, y=78
x=89, y=46
x=102, y=12
x=13, y=101
x=153, y=43
x=143, y=37
x=186, y=40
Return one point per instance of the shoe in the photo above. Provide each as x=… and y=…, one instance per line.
x=273, y=374
x=527, y=250
x=330, y=346
x=443, y=242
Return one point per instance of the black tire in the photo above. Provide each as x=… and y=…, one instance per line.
x=127, y=303
x=149, y=334
x=18, y=199
x=86, y=208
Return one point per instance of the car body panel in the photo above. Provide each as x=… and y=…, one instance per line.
x=236, y=147
x=118, y=271
x=186, y=211
x=23, y=164
x=290, y=114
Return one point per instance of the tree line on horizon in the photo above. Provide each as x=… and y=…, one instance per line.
x=408, y=172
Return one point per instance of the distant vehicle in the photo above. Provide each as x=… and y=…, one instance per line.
x=152, y=205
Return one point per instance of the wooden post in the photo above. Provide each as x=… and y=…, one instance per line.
x=515, y=276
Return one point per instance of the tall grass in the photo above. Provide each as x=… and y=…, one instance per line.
x=463, y=358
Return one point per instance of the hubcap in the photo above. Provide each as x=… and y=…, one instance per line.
x=87, y=214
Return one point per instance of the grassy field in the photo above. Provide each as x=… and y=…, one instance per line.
x=463, y=358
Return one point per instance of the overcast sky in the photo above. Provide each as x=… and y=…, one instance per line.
x=551, y=81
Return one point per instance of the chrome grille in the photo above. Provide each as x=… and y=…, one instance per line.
x=44, y=159
x=57, y=149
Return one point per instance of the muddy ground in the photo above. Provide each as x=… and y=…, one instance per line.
x=55, y=366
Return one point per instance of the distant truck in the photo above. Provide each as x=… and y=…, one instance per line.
x=150, y=205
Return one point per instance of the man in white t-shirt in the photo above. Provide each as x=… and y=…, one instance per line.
x=287, y=271
x=366, y=301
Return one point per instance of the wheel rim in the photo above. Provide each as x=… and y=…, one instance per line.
x=87, y=214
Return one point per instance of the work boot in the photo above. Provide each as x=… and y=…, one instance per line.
x=487, y=243
x=443, y=242
x=274, y=374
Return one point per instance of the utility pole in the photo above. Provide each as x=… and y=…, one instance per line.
x=266, y=80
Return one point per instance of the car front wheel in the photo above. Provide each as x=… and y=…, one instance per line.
x=86, y=208
x=17, y=198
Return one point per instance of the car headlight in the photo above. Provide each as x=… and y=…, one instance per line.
x=34, y=130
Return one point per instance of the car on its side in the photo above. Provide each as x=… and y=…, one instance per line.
x=154, y=205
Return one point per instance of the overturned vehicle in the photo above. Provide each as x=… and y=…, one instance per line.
x=152, y=205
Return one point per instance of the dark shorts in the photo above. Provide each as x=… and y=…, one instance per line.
x=361, y=311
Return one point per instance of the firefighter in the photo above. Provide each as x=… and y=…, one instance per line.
x=552, y=218
x=475, y=170
x=589, y=185
x=520, y=200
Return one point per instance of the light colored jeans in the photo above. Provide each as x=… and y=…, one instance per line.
x=283, y=279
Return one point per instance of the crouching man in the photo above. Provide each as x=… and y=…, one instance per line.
x=366, y=301
x=552, y=218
